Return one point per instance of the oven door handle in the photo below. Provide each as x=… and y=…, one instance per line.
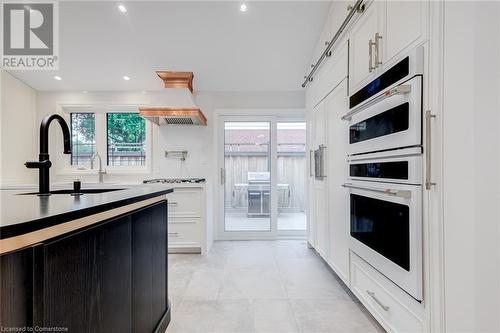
x=396, y=193
x=398, y=90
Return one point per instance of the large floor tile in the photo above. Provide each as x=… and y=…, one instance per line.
x=198, y=261
x=290, y=249
x=248, y=257
x=263, y=286
x=330, y=316
x=252, y=284
x=274, y=316
x=204, y=285
x=310, y=279
x=179, y=279
x=212, y=316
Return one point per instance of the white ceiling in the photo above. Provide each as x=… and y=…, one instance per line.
x=268, y=48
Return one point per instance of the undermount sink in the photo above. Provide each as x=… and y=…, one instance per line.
x=82, y=191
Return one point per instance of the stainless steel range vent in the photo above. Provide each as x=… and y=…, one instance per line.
x=178, y=121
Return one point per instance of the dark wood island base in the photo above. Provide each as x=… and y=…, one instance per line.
x=105, y=275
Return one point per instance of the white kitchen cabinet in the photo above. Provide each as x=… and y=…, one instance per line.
x=385, y=30
x=188, y=226
x=330, y=75
x=393, y=308
x=405, y=26
x=362, y=34
x=319, y=187
x=336, y=106
x=319, y=132
x=311, y=227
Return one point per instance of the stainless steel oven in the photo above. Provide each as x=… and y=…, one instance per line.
x=387, y=113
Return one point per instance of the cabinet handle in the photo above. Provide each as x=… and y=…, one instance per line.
x=222, y=176
x=378, y=37
x=372, y=295
x=397, y=193
x=173, y=234
x=322, y=148
x=370, y=56
x=428, y=142
x=173, y=203
x=311, y=159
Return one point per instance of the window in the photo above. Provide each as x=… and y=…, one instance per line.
x=118, y=137
x=126, y=136
x=82, y=138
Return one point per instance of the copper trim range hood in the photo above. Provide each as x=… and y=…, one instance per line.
x=180, y=108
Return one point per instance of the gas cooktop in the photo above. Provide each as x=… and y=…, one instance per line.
x=174, y=180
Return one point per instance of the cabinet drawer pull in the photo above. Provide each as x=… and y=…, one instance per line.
x=372, y=295
x=173, y=203
x=173, y=234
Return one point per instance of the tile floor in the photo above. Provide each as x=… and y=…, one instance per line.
x=261, y=286
x=286, y=221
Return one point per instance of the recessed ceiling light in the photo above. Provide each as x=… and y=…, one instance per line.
x=122, y=8
x=84, y=91
x=126, y=78
x=57, y=77
x=243, y=8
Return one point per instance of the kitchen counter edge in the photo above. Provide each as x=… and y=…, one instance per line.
x=42, y=222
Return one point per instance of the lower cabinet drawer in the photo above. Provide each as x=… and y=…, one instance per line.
x=184, y=233
x=395, y=310
x=185, y=203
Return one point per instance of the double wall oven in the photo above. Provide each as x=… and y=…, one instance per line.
x=385, y=174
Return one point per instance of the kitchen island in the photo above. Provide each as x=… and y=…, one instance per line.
x=95, y=262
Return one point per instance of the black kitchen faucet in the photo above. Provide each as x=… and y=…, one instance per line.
x=43, y=164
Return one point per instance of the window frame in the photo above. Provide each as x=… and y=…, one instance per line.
x=101, y=141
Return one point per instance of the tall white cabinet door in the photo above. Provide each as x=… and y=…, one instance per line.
x=319, y=186
x=311, y=225
x=336, y=106
x=405, y=26
x=359, y=48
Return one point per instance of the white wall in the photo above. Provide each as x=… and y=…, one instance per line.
x=471, y=172
x=18, y=131
x=197, y=140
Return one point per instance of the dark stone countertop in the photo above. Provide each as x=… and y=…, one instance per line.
x=20, y=214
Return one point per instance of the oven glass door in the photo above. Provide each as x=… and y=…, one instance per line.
x=382, y=226
x=394, y=122
x=386, y=230
x=396, y=166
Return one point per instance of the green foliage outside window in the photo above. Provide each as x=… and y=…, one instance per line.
x=126, y=137
x=82, y=137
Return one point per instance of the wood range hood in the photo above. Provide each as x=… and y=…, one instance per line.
x=180, y=108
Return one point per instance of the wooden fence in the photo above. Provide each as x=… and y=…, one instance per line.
x=291, y=170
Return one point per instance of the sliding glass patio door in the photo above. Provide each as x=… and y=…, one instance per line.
x=262, y=177
x=247, y=168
